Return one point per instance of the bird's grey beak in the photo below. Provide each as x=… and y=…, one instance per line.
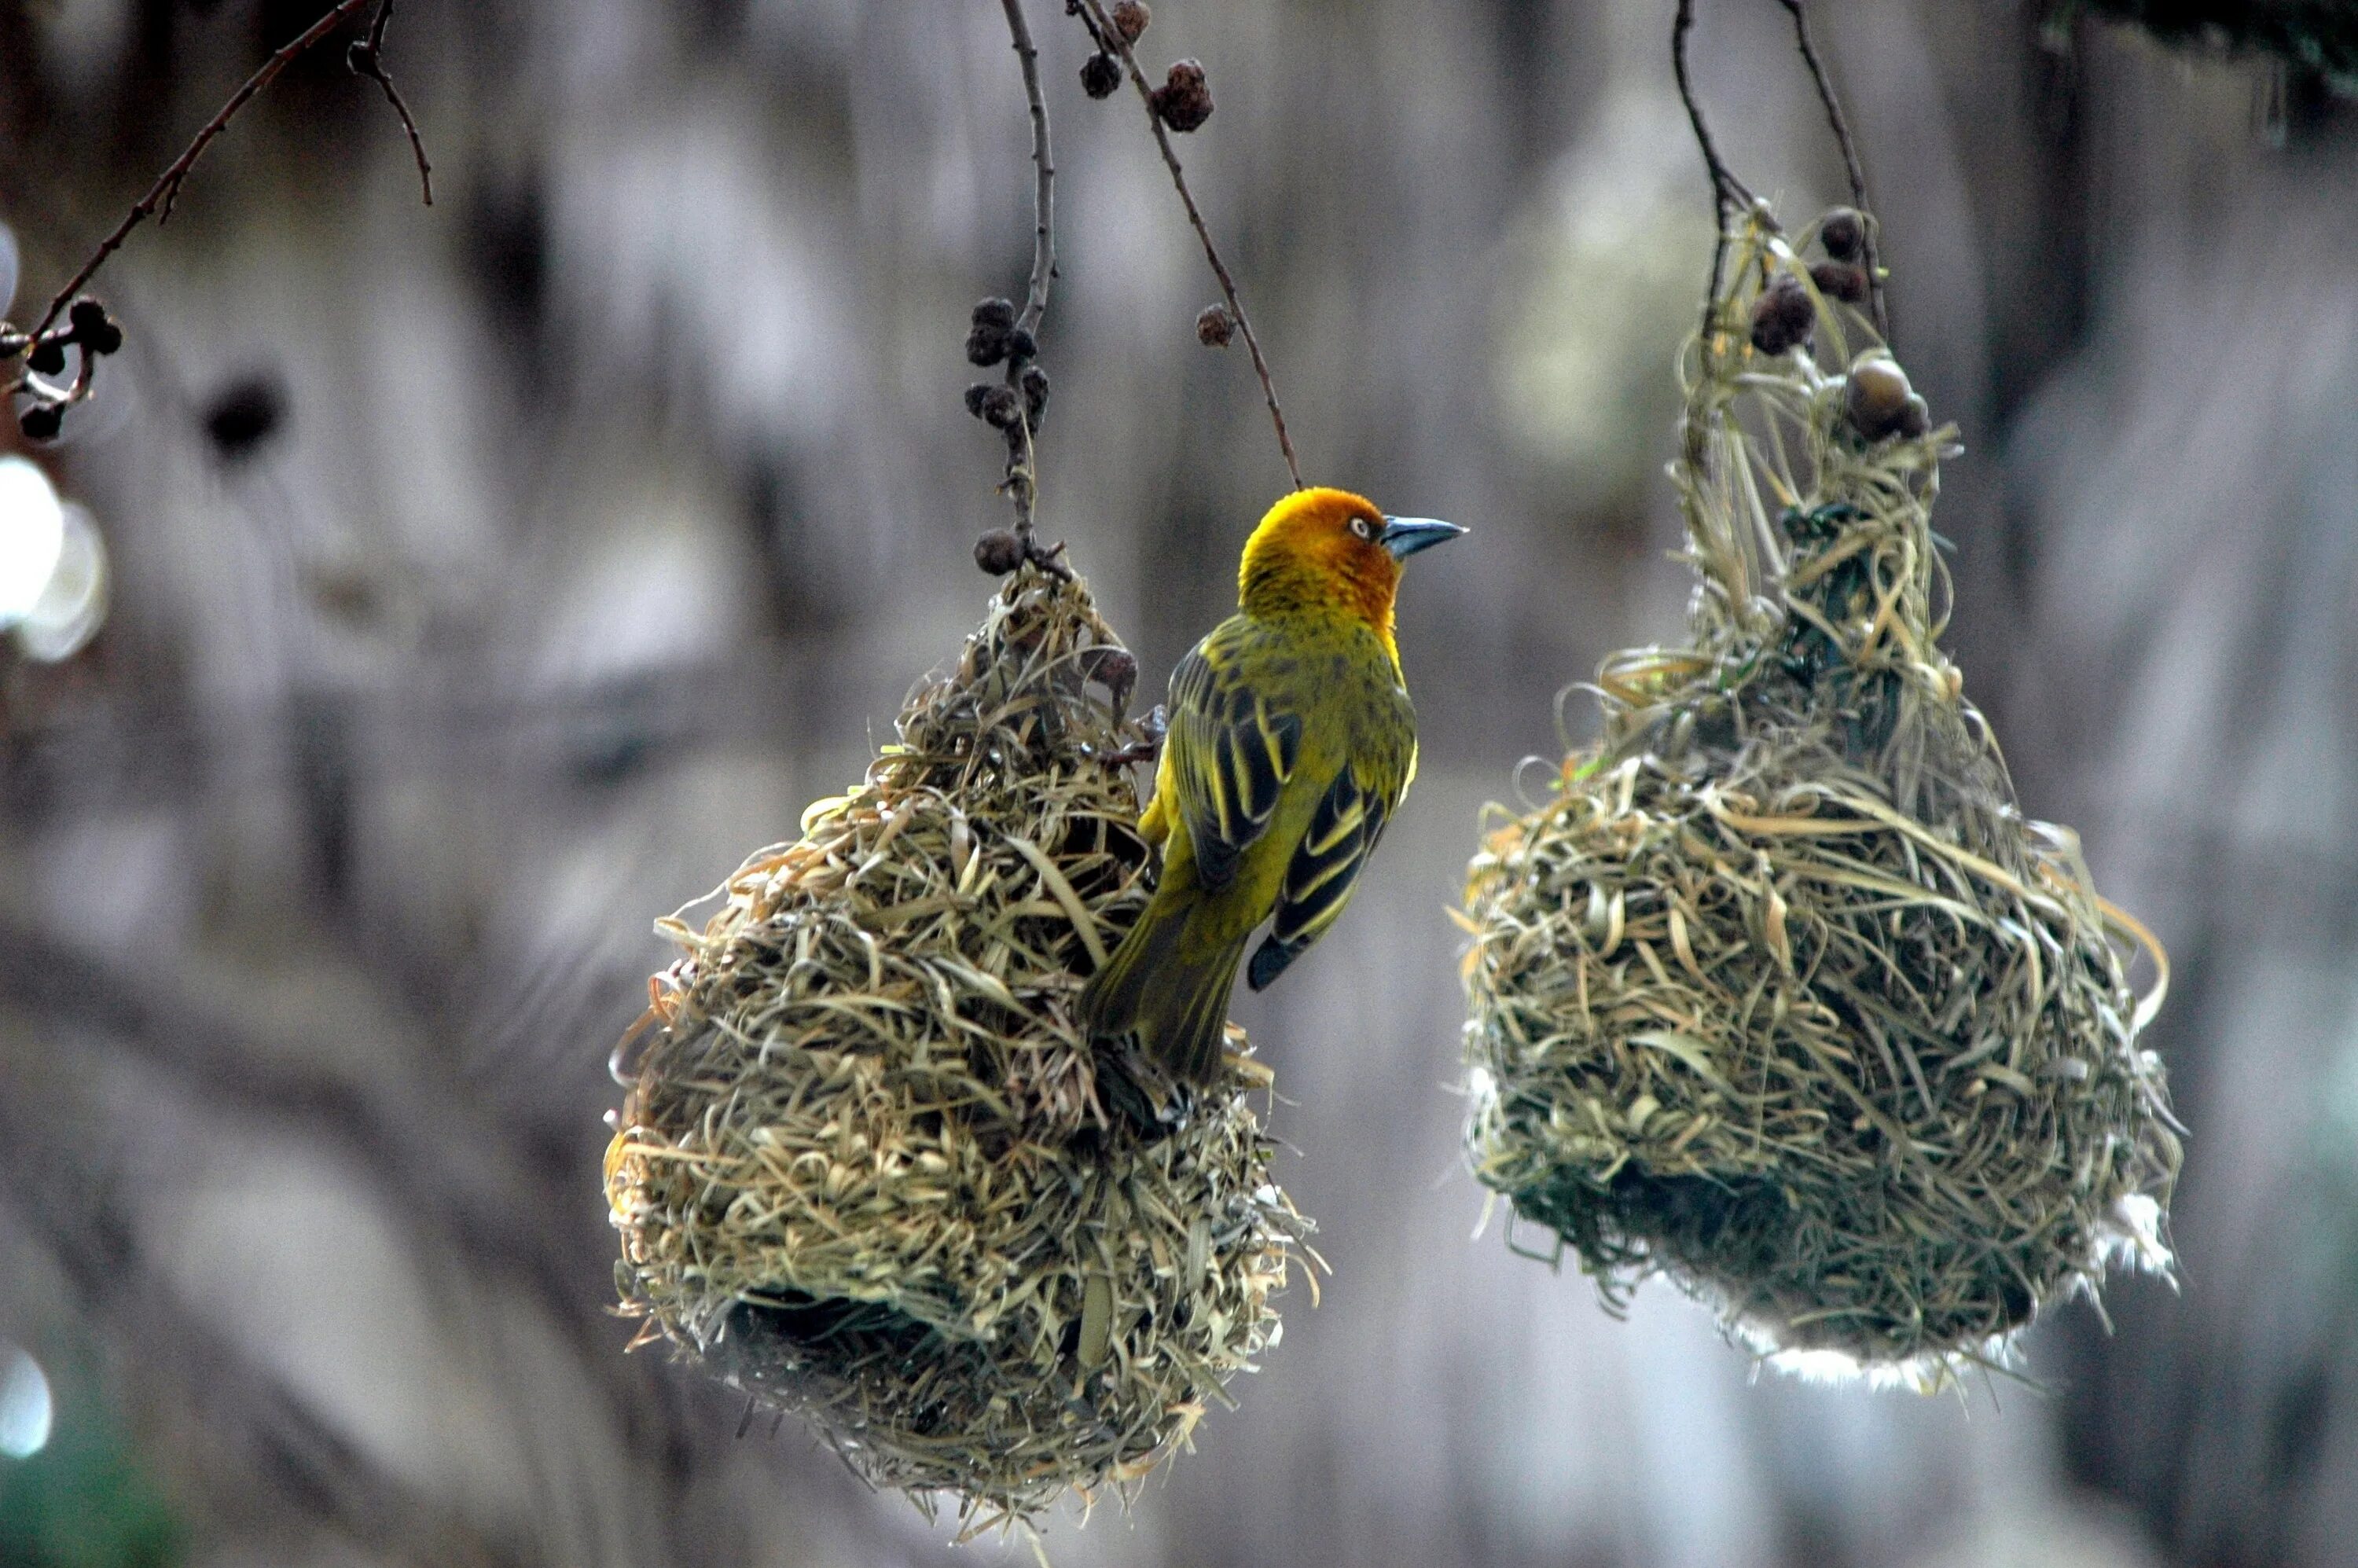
x=1404, y=537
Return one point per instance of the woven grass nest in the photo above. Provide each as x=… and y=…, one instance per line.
x=1777, y=992
x=867, y=1170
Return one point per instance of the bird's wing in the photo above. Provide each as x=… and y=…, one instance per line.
x=1344, y=831
x=1318, y=879
x=1231, y=754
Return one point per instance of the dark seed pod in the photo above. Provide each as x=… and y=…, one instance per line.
x=1840, y=280
x=1183, y=102
x=986, y=343
x=47, y=358
x=1130, y=20
x=1783, y=317
x=994, y=312
x=1034, y=383
x=94, y=328
x=1000, y=408
x=42, y=421
x=1022, y=346
x=1876, y=403
x=976, y=394
x=1915, y=418
x=1214, y=327
x=1844, y=234
x=1100, y=75
x=999, y=552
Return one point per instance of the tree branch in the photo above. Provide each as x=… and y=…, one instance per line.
x=166, y=192
x=1841, y=125
x=1726, y=190
x=1021, y=484
x=1043, y=194
x=1111, y=39
x=366, y=58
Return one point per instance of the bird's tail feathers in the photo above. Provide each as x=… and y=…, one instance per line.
x=1171, y=1003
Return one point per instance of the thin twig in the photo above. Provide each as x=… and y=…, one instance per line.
x=1109, y=37
x=1043, y=194
x=1841, y=125
x=366, y=58
x=166, y=192
x=1022, y=483
x=1726, y=190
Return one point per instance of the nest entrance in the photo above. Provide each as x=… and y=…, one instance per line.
x=1779, y=993
x=868, y=1170
x=799, y=1326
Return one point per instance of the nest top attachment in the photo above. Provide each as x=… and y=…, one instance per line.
x=1778, y=992
x=866, y=1171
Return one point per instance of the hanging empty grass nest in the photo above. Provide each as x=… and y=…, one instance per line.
x=1777, y=992
x=867, y=1170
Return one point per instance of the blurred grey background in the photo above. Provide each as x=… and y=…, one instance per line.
x=489, y=579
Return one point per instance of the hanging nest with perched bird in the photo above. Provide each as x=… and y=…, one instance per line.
x=1777, y=992
x=868, y=1170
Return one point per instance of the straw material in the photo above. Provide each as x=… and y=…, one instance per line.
x=1778, y=993
x=867, y=1170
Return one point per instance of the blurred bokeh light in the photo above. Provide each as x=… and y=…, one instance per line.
x=25, y=1413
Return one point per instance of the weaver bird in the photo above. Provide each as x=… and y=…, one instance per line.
x=1292, y=741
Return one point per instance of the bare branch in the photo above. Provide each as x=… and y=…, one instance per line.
x=1726, y=190
x=166, y=192
x=1841, y=125
x=1043, y=194
x=366, y=58
x=1111, y=39
x=1021, y=484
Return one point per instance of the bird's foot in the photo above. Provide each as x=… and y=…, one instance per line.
x=1156, y=725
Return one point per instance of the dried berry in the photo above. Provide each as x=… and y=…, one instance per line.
x=1915, y=418
x=1876, y=403
x=999, y=552
x=41, y=421
x=1100, y=75
x=1130, y=20
x=1214, y=327
x=1844, y=234
x=976, y=394
x=994, y=312
x=1022, y=346
x=1783, y=317
x=1840, y=280
x=1183, y=102
x=986, y=344
x=47, y=358
x=94, y=328
x=1034, y=383
x=1000, y=408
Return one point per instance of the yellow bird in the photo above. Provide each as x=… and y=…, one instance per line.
x=1292, y=741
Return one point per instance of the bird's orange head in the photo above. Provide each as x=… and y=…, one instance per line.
x=1330, y=550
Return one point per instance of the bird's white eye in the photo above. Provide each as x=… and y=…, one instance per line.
x=1363, y=528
